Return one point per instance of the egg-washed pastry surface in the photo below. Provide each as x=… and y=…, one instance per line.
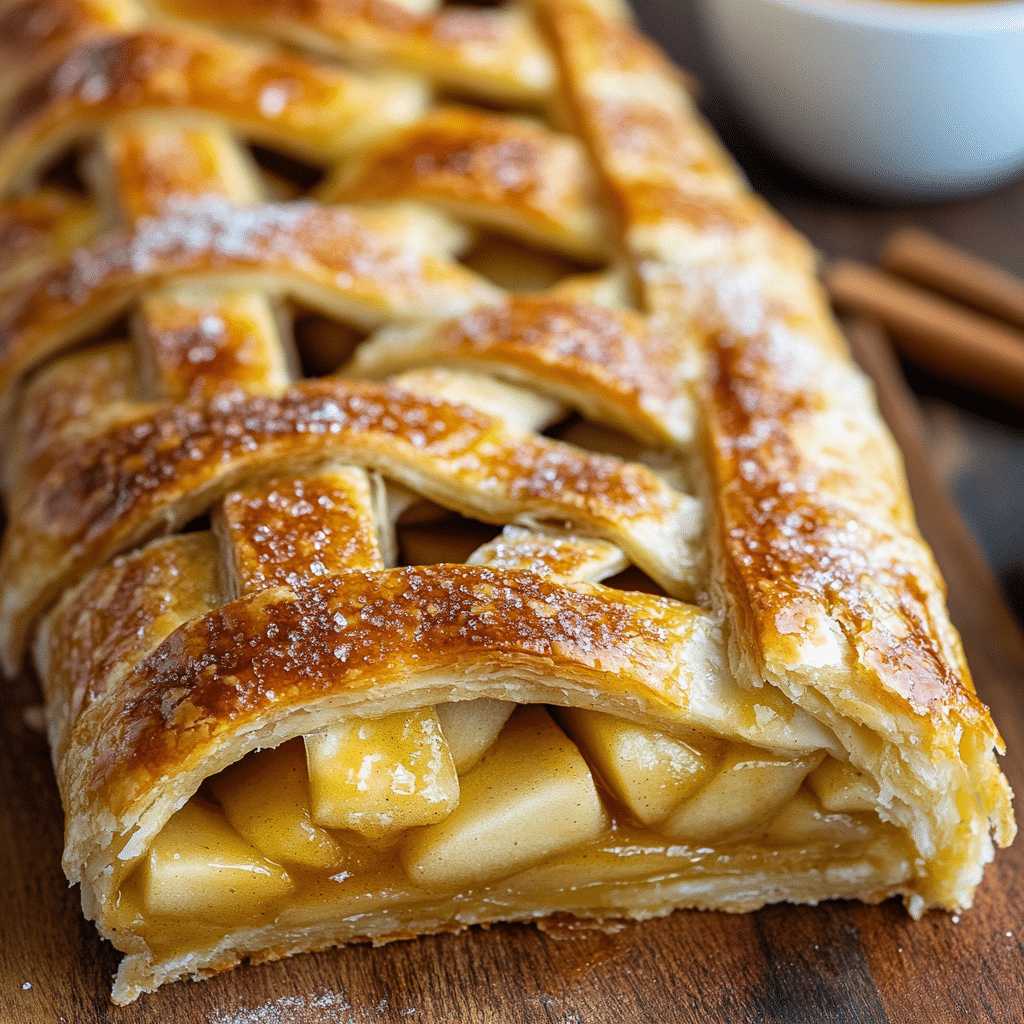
x=438, y=494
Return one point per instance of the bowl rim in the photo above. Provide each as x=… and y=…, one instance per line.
x=915, y=15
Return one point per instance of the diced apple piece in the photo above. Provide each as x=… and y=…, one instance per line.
x=842, y=787
x=200, y=867
x=266, y=798
x=530, y=797
x=379, y=776
x=803, y=823
x=648, y=771
x=471, y=726
x=749, y=789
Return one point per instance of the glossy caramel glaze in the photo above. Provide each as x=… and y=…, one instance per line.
x=230, y=668
x=38, y=231
x=198, y=344
x=148, y=168
x=870, y=573
x=304, y=108
x=508, y=174
x=291, y=532
x=134, y=604
x=609, y=362
x=112, y=491
x=683, y=208
x=330, y=257
x=490, y=53
x=74, y=398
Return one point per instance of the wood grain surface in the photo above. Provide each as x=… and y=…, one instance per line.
x=793, y=965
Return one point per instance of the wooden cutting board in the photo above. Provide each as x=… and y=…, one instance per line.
x=793, y=965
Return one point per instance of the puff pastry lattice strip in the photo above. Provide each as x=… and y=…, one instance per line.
x=437, y=493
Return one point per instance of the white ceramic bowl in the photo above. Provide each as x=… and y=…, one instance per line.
x=891, y=99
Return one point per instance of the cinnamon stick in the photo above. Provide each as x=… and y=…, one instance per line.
x=935, y=333
x=931, y=261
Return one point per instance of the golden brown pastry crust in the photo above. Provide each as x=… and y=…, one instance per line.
x=492, y=170
x=801, y=610
x=818, y=561
x=331, y=258
x=607, y=362
x=492, y=54
x=113, y=490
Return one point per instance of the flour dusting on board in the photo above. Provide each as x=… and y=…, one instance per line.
x=326, y=1007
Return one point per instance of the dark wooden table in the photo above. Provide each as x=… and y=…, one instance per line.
x=783, y=965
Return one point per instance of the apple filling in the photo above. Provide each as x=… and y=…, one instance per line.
x=474, y=810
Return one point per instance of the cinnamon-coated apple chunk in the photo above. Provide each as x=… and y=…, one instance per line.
x=647, y=770
x=530, y=797
x=265, y=797
x=750, y=787
x=380, y=776
x=199, y=867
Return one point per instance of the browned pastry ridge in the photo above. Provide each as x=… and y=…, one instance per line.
x=438, y=493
